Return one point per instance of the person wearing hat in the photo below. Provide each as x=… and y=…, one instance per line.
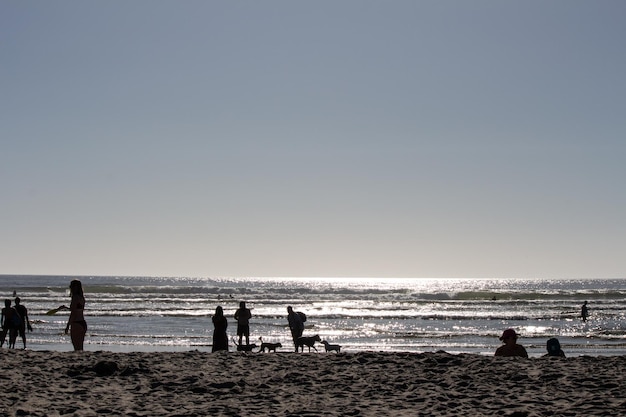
x=510, y=346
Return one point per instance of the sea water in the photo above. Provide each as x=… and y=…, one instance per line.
x=394, y=315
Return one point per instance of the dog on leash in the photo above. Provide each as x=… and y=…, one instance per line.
x=330, y=348
x=307, y=341
x=269, y=346
x=244, y=348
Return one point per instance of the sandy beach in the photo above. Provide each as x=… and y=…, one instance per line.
x=47, y=383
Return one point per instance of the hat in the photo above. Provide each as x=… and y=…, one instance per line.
x=508, y=333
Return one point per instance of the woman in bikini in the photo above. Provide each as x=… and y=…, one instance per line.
x=76, y=324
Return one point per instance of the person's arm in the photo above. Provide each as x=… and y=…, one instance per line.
x=69, y=319
x=28, y=326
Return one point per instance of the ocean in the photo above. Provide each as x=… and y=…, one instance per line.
x=372, y=314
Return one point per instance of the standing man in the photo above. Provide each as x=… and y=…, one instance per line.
x=5, y=321
x=243, y=316
x=584, y=312
x=295, y=324
x=10, y=321
x=25, y=323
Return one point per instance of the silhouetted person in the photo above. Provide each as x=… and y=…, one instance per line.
x=584, y=311
x=4, y=322
x=76, y=324
x=25, y=323
x=510, y=346
x=243, y=316
x=220, y=339
x=554, y=348
x=9, y=320
x=295, y=325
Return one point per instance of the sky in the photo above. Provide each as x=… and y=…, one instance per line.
x=432, y=138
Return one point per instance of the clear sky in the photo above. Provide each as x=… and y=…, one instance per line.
x=325, y=138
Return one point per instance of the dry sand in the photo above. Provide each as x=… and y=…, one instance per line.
x=289, y=384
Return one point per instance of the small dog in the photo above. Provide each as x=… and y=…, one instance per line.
x=269, y=346
x=308, y=341
x=330, y=348
x=244, y=348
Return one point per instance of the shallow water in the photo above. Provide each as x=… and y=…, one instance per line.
x=416, y=315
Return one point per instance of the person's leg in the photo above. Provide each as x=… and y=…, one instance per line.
x=12, y=338
x=23, y=335
x=299, y=335
x=3, y=336
x=77, y=333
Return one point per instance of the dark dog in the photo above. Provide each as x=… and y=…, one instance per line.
x=244, y=348
x=307, y=341
x=269, y=346
x=330, y=348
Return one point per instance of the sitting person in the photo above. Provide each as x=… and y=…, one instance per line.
x=554, y=348
x=510, y=347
